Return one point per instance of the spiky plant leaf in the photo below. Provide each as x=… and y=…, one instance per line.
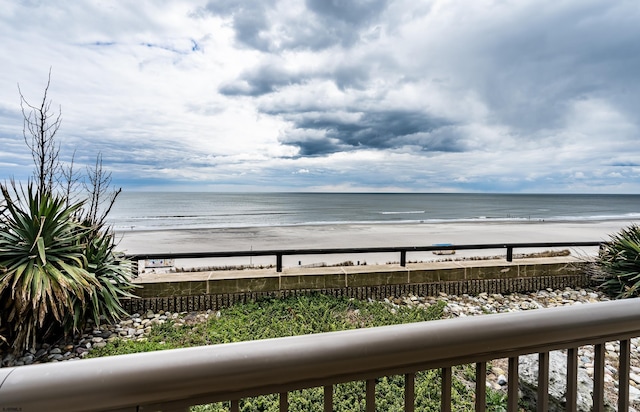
x=618, y=264
x=41, y=253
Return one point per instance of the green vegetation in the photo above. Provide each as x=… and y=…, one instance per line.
x=271, y=318
x=58, y=267
x=618, y=264
x=303, y=315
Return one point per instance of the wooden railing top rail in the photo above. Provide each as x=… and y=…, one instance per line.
x=175, y=378
x=403, y=250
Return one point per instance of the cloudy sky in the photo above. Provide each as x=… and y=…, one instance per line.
x=333, y=95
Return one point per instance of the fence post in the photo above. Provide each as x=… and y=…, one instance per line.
x=403, y=258
x=509, y=253
x=279, y=262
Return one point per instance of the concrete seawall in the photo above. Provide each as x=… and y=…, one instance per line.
x=194, y=291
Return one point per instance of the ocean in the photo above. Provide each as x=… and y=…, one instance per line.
x=177, y=210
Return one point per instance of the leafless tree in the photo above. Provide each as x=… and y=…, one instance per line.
x=69, y=180
x=40, y=126
x=97, y=187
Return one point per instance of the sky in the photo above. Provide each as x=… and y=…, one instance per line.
x=332, y=95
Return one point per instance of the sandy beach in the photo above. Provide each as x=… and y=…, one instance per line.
x=360, y=235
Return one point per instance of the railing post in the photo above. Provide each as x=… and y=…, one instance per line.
x=284, y=401
x=509, y=253
x=409, y=392
x=328, y=398
x=403, y=258
x=513, y=386
x=371, y=395
x=623, y=375
x=445, y=395
x=572, y=380
x=481, y=386
x=543, y=382
x=279, y=262
x=598, y=377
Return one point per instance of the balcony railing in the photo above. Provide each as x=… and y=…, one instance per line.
x=402, y=250
x=175, y=379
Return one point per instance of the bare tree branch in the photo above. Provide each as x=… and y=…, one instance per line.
x=39, y=130
x=98, y=189
x=69, y=180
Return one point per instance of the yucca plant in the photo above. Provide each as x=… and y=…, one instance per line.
x=618, y=264
x=113, y=273
x=44, y=268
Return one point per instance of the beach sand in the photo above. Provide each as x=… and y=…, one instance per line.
x=361, y=235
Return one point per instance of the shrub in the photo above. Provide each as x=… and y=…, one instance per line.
x=58, y=266
x=44, y=269
x=618, y=265
x=55, y=270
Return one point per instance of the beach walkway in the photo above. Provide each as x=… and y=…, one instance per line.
x=213, y=289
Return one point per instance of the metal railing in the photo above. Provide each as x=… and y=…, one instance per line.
x=175, y=379
x=403, y=250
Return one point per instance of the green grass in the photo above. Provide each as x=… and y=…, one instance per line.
x=304, y=315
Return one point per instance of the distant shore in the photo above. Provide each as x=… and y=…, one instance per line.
x=360, y=235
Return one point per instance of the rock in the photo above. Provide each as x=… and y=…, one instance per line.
x=498, y=371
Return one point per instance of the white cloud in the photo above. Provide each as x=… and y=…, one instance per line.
x=373, y=96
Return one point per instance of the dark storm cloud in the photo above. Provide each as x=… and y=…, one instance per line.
x=272, y=76
x=541, y=62
x=326, y=23
x=261, y=80
x=249, y=20
x=319, y=134
x=356, y=13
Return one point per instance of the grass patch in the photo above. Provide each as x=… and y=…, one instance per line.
x=271, y=318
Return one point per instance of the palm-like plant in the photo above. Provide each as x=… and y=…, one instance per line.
x=113, y=273
x=619, y=264
x=44, y=269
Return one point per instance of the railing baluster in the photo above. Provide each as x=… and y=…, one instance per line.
x=279, y=262
x=235, y=406
x=512, y=386
x=481, y=386
x=572, y=380
x=403, y=258
x=445, y=396
x=543, y=382
x=623, y=375
x=328, y=398
x=284, y=401
x=371, y=395
x=509, y=253
x=598, y=377
x=409, y=392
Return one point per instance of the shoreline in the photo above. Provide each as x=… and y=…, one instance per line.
x=488, y=221
x=332, y=236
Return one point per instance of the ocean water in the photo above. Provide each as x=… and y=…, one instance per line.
x=160, y=211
